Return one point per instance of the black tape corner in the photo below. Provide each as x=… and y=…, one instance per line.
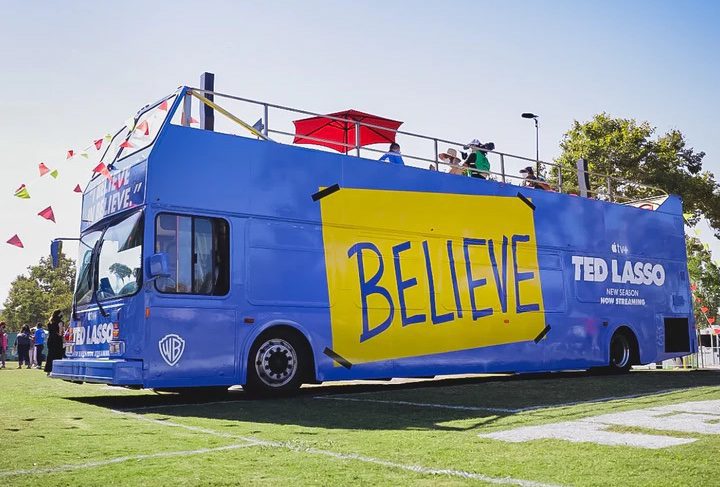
x=542, y=334
x=325, y=192
x=337, y=358
x=526, y=201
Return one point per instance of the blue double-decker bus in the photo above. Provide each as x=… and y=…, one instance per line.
x=210, y=259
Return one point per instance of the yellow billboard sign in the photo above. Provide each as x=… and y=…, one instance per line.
x=412, y=273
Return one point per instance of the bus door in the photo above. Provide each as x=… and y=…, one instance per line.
x=192, y=324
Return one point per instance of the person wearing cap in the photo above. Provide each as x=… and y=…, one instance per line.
x=477, y=162
x=533, y=181
x=393, y=156
x=450, y=157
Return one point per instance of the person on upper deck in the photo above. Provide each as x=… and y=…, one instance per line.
x=533, y=181
x=393, y=156
x=450, y=157
x=476, y=161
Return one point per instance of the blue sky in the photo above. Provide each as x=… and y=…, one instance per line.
x=74, y=70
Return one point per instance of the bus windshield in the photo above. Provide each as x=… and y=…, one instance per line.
x=84, y=286
x=120, y=258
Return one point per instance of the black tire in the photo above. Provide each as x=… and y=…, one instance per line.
x=277, y=363
x=622, y=353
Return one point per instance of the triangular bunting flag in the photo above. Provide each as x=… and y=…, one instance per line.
x=191, y=121
x=693, y=287
x=77, y=189
x=101, y=166
x=698, y=300
x=127, y=145
x=98, y=144
x=697, y=232
x=163, y=106
x=48, y=214
x=130, y=123
x=22, y=192
x=108, y=137
x=706, y=246
x=54, y=173
x=84, y=154
x=143, y=127
x=704, y=309
x=687, y=216
x=15, y=240
x=70, y=154
x=711, y=320
x=43, y=169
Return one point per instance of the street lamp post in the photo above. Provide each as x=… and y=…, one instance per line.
x=537, y=140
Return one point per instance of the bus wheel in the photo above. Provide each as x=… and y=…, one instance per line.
x=276, y=363
x=621, y=353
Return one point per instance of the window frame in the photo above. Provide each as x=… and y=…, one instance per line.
x=192, y=218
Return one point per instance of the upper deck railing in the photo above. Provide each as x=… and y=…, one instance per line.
x=420, y=149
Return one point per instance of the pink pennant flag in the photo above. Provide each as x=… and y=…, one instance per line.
x=704, y=309
x=693, y=287
x=77, y=189
x=43, y=169
x=98, y=143
x=143, y=127
x=15, y=240
x=163, y=106
x=190, y=122
x=127, y=145
x=711, y=320
x=48, y=214
x=70, y=154
x=99, y=168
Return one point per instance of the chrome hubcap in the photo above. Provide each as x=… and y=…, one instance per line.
x=620, y=351
x=276, y=362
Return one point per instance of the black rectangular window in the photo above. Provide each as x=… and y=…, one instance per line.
x=677, y=335
x=198, y=254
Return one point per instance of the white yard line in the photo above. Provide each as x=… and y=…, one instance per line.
x=418, y=404
x=499, y=410
x=111, y=461
x=344, y=456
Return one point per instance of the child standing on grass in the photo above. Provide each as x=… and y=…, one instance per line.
x=22, y=344
x=3, y=344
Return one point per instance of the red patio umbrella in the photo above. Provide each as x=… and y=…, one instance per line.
x=339, y=135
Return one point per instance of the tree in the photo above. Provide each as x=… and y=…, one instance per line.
x=34, y=296
x=121, y=271
x=626, y=149
x=705, y=279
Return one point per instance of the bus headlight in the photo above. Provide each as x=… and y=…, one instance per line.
x=117, y=348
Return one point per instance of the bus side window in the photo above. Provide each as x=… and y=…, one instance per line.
x=198, y=254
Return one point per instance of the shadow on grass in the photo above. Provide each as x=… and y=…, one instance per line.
x=371, y=406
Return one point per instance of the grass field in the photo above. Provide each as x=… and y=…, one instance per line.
x=413, y=433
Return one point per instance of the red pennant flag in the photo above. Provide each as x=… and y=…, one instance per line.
x=693, y=287
x=163, y=106
x=144, y=127
x=711, y=320
x=77, y=189
x=43, y=169
x=704, y=309
x=182, y=119
x=15, y=240
x=48, y=214
x=98, y=143
x=70, y=154
x=127, y=145
x=698, y=300
x=102, y=169
x=98, y=169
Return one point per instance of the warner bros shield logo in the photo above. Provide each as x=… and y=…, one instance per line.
x=171, y=348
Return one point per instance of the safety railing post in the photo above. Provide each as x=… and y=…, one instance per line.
x=437, y=160
x=560, y=179
x=266, y=121
x=187, y=109
x=502, y=167
x=357, y=139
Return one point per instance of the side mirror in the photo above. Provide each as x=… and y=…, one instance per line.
x=158, y=265
x=55, y=251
